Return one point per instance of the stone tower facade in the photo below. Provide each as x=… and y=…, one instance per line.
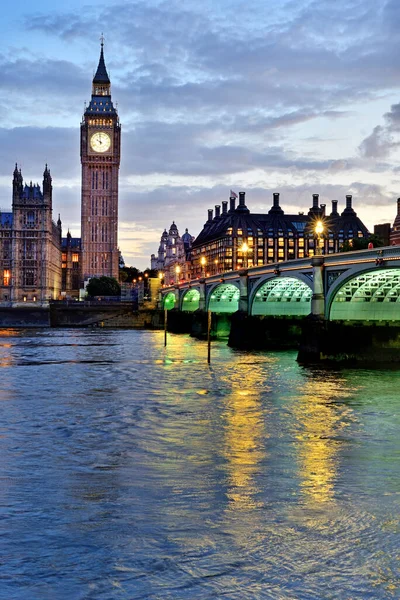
x=30, y=245
x=395, y=232
x=100, y=159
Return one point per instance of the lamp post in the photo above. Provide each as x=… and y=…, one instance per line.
x=244, y=250
x=177, y=273
x=319, y=228
x=203, y=265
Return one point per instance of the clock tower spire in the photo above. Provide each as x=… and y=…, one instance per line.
x=100, y=159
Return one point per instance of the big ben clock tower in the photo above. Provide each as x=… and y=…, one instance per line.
x=100, y=158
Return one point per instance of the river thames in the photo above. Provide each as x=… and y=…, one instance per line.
x=133, y=471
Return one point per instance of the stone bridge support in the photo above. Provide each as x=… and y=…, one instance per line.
x=243, y=290
x=318, y=297
x=202, y=291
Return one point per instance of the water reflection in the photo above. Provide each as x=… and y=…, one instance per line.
x=134, y=471
x=244, y=446
x=320, y=418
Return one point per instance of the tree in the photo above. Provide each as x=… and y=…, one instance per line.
x=103, y=286
x=361, y=243
x=131, y=272
x=123, y=275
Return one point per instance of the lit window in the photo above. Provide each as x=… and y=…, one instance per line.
x=6, y=277
x=75, y=258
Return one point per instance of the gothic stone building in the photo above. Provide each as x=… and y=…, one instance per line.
x=30, y=245
x=96, y=252
x=173, y=251
x=100, y=158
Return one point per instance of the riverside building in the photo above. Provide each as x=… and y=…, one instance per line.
x=30, y=245
x=235, y=238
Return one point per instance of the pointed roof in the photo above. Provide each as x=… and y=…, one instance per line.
x=101, y=73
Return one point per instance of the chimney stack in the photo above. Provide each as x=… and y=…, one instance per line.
x=334, y=212
x=323, y=208
x=275, y=206
x=210, y=214
x=224, y=207
x=315, y=200
x=241, y=198
x=348, y=201
x=217, y=211
x=232, y=203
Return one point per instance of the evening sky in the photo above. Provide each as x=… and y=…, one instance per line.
x=297, y=97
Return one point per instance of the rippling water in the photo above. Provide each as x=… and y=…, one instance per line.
x=130, y=471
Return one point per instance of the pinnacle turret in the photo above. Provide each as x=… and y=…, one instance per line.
x=101, y=76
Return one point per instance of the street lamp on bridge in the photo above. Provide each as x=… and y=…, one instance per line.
x=203, y=261
x=319, y=229
x=244, y=248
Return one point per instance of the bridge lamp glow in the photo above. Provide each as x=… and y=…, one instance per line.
x=244, y=248
x=203, y=261
x=319, y=229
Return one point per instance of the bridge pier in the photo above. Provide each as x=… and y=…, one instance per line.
x=264, y=333
x=202, y=291
x=318, y=296
x=243, y=290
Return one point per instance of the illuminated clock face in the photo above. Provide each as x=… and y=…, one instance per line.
x=100, y=141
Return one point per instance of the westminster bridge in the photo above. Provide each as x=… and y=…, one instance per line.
x=342, y=303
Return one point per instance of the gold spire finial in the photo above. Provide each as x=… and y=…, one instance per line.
x=102, y=39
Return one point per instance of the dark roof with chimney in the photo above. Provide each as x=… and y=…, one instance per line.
x=276, y=223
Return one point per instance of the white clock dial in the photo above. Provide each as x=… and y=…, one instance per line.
x=100, y=141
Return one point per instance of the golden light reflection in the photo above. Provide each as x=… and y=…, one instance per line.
x=244, y=447
x=321, y=421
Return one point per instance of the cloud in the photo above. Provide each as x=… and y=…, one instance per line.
x=381, y=141
x=208, y=94
x=33, y=147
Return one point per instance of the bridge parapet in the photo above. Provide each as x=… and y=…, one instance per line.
x=323, y=274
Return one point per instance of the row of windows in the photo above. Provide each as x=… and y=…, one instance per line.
x=270, y=241
x=101, y=122
x=99, y=261
x=100, y=179
x=99, y=232
x=99, y=206
x=75, y=257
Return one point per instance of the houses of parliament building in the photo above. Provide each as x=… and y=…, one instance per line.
x=36, y=263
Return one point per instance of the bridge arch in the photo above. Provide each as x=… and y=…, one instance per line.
x=224, y=298
x=281, y=296
x=190, y=300
x=372, y=295
x=169, y=301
